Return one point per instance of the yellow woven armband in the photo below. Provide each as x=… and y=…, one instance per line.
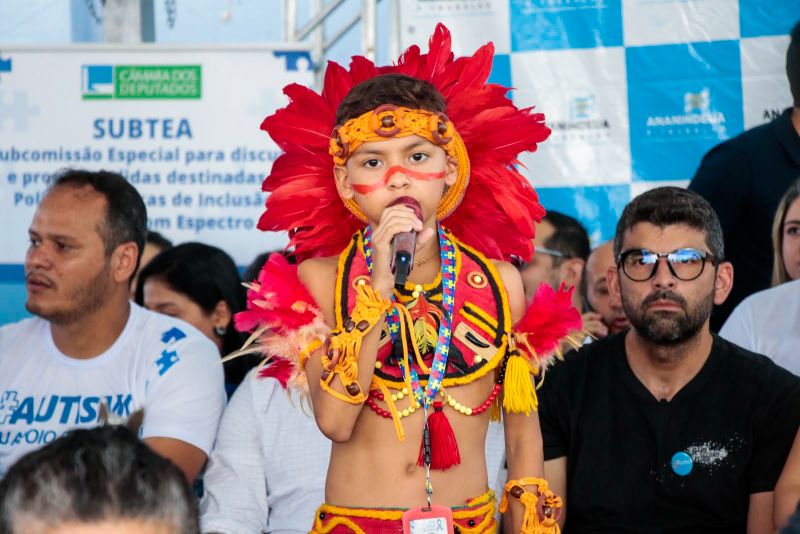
x=344, y=345
x=542, y=509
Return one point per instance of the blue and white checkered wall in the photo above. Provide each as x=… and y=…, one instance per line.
x=635, y=91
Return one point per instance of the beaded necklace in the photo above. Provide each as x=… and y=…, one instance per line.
x=439, y=365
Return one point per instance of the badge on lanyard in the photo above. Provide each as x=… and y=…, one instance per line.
x=428, y=520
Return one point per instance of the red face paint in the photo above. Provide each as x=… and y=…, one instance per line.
x=365, y=189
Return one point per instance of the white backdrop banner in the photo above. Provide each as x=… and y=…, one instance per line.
x=635, y=91
x=180, y=123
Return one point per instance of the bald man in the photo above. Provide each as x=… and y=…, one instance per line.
x=604, y=314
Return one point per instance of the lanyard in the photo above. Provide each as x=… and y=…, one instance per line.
x=437, y=371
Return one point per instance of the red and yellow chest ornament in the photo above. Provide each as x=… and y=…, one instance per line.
x=287, y=327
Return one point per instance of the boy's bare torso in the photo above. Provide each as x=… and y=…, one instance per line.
x=375, y=469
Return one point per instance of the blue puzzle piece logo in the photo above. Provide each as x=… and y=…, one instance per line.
x=8, y=403
x=295, y=60
x=5, y=65
x=172, y=335
x=166, y=361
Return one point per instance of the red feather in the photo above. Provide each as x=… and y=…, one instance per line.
x=337, y=83
x=548, y=320
x=362, y=69
x=278, y=368
x=439, y=52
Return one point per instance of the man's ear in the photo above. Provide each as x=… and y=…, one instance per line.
x=342, y=183
x=451, y=173
x=572, y=271
x=723, y=282
x=123, y=261
x=612, y=279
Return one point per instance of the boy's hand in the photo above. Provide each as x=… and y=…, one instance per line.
x=394, y=220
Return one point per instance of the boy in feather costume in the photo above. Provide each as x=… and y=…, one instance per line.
x=404, y=378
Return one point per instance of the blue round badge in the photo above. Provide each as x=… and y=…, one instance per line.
x=682, y=463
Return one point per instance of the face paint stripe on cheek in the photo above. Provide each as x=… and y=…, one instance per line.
x=365, y=189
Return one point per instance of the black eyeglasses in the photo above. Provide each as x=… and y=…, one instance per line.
x=557, y=256
x=685, y=264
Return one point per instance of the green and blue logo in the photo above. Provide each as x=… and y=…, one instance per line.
x=100, y=82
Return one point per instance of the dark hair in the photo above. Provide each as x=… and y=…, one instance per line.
x=92, y=475
x=666, y=206
x=206, y=275
x=157, y=239
x=396, y=89
x=569, y=237
x=779, y=273
x=793, y=63
x=126, y=214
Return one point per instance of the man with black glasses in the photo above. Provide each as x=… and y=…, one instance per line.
x=667, y=427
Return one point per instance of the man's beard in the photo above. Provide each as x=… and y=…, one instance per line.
x=85, y=300
x=669, y=327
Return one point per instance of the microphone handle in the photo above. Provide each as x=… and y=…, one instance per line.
x=403, y=245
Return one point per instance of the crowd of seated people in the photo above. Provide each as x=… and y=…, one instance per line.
x=640, y=360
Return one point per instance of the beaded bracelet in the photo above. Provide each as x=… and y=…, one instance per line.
x=344, y=345
x=542, y=509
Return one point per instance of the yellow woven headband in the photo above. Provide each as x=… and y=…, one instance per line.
x=389, y=121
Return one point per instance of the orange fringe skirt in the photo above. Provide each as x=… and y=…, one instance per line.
x=475, y=517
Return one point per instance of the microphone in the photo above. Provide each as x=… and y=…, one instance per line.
x=404, y=243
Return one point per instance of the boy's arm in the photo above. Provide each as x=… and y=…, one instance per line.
x=524, y=453
x=538, y=328
x=335, y=418
x=555, y=472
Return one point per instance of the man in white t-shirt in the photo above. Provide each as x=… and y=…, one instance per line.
x=89, y=346
x=768, y=322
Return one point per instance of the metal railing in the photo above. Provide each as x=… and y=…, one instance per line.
x=314, y=28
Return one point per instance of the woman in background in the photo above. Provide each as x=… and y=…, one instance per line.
x=786, y=237
x=199, y=284
x=768, y=322
x=773, y=317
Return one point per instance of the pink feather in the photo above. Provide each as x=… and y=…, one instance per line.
x=278, y=301
x=548, y=320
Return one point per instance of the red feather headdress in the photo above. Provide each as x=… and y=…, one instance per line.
x=500, y=207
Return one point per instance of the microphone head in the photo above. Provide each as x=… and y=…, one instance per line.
x=411, y=203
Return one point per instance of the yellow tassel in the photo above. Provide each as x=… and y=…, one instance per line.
x=398, y=426
x=519, y=393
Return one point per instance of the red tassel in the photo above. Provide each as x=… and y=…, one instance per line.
x=444, y=447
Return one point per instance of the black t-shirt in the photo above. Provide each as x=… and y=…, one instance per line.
x=736, y=420
x=744, y=179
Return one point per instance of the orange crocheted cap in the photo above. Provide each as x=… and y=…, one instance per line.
x=494, y=214
x=388, y=121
